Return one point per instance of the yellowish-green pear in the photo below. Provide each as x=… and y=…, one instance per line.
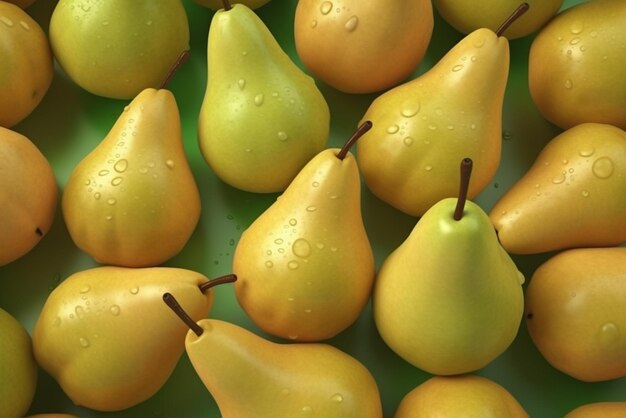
x=599, y=410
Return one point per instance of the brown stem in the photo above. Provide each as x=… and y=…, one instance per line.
x=466, y=171
x=521, y=9
x=365, y=126
x=171, y=301
x=229, y=278
x=227, y=5
x=182, y=58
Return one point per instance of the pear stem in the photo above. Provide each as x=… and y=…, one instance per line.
x=466, y=171
x=228, y=278
x=171, y=301
x=227, y=5
x=182, y=58
x=521, y=9
x=364, y=127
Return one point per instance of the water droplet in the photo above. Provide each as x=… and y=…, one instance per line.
x=610, y=335
x=602, y=167
x=244, y=53
x=149, y=23
x=473, y=58
x=333, y=249
x=109, y=217
x=586, y=152
x=121, y=165
x=84, y=342
x=409, y=112
x=105, y=23
x=570, y=170
x=307, y=410
x=314, y=23
x=337, y=397
x=558, y=179
x=282, y=136
x=103, y=172
x=6, y=21
x=269, y=264
x=577, y=27
x=241, y=83
x=593, y=33
x=428, y=167
x=473, y=126
x=311, y=208
x=301, y=248
x=292, y=336
x=281, y=250
x=457, y=68
x=293, y=265
x=111, y=201
x=432, y=127
x=574, y=40
x=134, y=290
x=506, y=135
x=568, y=84
x=85, y=289
x=585, y=193
x=57, y=321
x=169, y=164
x=308, y=310
x=24, y=25
x=408, y=141
x=392, y=129
x=480, y=42
x=117, y=181
x=351, y=23
x=315, y=184
x=278, y=241
x=450, y=127
x=115, y=310
x=258, y=99
x=326, y=7
x=293, y=222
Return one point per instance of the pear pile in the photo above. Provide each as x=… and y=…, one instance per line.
x=312, y=280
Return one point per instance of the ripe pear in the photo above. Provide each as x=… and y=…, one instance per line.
x=463, y=396
x=449, y=299
x=262, y=118
x=25, y=64
x=218, y=4
x=52, y=416
x=133, y=200
x=572, y=195
x=466, y=16
x=575, y=312
x=251, y=377
x=305, y=265
x=28, y=195
x=576, y=65
x=117, y=48
x=105, y=336
x=599, y=410
x=18, y=370
x=362, y=46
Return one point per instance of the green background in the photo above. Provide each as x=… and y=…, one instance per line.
x=70, y=122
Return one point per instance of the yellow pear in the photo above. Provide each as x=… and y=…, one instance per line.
x=251, y=377
x=576, y=314
x=572, y=195
x=105, y=336
x=599, y=410
x=133, y=200
x=52, y=416
x=462, y=396
x=28, y=195
x=305, y=265
x=362, y=46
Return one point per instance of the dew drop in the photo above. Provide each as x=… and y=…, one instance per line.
x=392, y=129
x=85, y=289
x=111, y=201
x=428, y=167
x=585, y=193
x=586, y=152
x=109, y=217
x=352, y=23
x=258, y=99
x=293, y=336
x=457, y=68
x=473, y=126
x=278, y=241
x=473, y=58
x=84, y=342
x=169, y=164
x=315, y=184
x=103, y=172
x=293, y=265
x=314, y=23
x=24, y=25
x=577, y=27
x=568, y=84
x=602, y=168
x=409, y=112
x=337, y=398
x=134, y=290
x=117, y=181
x=269, y=264
x=149, y=23
x=320, y=245
x=241, y=83
x=574, y=40
x=57, y=321
x=326, y=7
x=121, y=165
x=558, y=179
x=450, y=127
x=609, y=335
x=282, y=136
x=432, y=127
x=306, y=409
x=105, y=23
x=284, y=392
x=507, y=136
x=115, y=310
x=480, y=42
x=301, y=248
x=6, y=21
x=408, y=141
x=80, y=312
x=293, y=222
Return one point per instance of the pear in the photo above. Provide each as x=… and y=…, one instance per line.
x=251, y=377
x=599, y=410
x=104, y=335
x=576, y=65
x=262, y=118
x=464, y=396
x=117, y=48
x=305, y=265
x=575, y=312
x=133, y=200
x=449, y=299
x=218, y=4
x=363, y=46
x=28, y=195
x=571, y=196
x=18, y=370
x=25, y=64
x=52, y=416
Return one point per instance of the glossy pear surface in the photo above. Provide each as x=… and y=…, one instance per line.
x=305, y=266
x=52, y=416
x=423, y=128
x=219, y=4
x=251, y=377
x=576, y=315
x=572, y=195
x=362, y=46
x=133, y=200
x=25, y=64
x=449, y=299
x=262, y=118
x=599, y=410
x=464, y=396
x=576, y=65
x=117, y=48
x=28, y=195
x=106, y=337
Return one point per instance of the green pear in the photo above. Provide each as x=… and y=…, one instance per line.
x=18, y=370
x=463, y=396
x=262, y=118
x=576, y=65
x=599, y=410
x=133, y=200
x=251, y=377
x=449, y=299
x=117, y=48
x=104, y=335
x=218, y=4
x=572, y=195
x=305, y=265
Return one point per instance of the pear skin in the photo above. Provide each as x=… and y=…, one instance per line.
x=576, y=315
x=133, y=200
x=599, y=410
x=305, y=266
x=422, y=128
x=262, y=118
x=105, y=336
x=572, y=195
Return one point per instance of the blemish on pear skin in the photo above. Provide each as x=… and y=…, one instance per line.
x=39, y=232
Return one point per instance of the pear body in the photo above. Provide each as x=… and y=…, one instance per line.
x=251, y=377
x=362, y=46
x=133, y=200
x=219, y=4
x=423, y=128
x=106, y=337
x=117, y=48
x=28, y=195
x=599, y=410
x=577, y=179
x=262, y=118
x=463, y=396
x=575, y=312
x=305, y=267
x=25, y=64
x=449, y=299
x=575, y=65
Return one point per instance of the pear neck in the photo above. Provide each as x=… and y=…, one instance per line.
x=361, y=130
